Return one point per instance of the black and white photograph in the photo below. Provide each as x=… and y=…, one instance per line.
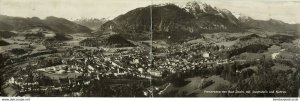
x=150, y=48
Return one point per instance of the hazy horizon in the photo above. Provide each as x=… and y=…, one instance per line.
x=284, y=10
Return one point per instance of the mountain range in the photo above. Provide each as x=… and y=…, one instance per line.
x=59, y=25
x=269, y=25
x=92, y=23
x=170, y=21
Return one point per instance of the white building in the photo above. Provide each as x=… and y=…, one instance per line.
x=274, y=55
x=205, y=55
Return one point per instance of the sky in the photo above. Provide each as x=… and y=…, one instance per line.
x=285, y=10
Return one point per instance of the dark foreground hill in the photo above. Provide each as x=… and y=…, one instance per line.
x=107, y=41
x=3, y=43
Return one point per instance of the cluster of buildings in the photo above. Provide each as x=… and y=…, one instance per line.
x=129, y=64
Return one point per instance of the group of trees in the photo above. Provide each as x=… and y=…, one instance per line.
x=19, y=51
x=110, y=41
x=3, y=58
x=47, y=62
x=268, y=80
x=7, y=34
x=1, y=84
x=4, y=43
x=252, y=44
x=264, y=78
x=113, y=88
x=254, y=48
x=91, y=42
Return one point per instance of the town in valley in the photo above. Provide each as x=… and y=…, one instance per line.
x=160, y=50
